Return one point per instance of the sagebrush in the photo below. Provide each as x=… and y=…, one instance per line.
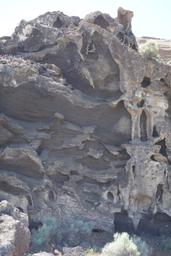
x=64, y=232
x=142, y=246
x=42, y=235
x=125, y=245
x=150, y=50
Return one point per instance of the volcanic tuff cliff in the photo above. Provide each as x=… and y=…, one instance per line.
x=85, y=124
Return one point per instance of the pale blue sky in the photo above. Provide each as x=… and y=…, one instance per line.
x=151, y=17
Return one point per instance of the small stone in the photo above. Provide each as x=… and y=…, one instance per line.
x=59, y=116
x=57, y=253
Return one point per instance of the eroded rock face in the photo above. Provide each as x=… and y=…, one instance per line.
x=14, y=235
x=85, y=122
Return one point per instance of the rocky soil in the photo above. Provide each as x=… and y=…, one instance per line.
x=85, y=128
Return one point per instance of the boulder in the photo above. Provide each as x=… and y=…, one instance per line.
x=75, y=251
x=14, y=235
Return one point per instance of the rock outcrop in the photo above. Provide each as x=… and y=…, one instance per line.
x=14, y=231
x=85, y=125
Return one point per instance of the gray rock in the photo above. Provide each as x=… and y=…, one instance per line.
x=14, y=235
x=75, y=251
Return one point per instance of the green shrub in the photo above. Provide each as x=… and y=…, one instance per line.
x=80, y=226
x=121, y=246
x=165, y=243
x=65, y=232
x=142, y=246
x=42, y=235
x=91, y=252
x=75, y=231
x=150, y=50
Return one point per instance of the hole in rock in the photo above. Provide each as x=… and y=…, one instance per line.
x=155, y=132
x=20, y=209
x=134, y=47
x=51, y=196
x=91, y=47
x=153, y=158
x=125, y=41
x=159, y=193
x=163, y=81
x=156, y=225
x=120, y=35
x=29, y=199
x=39, y=150
x=143, y=126
x=146, y=82
x=110, y=196
x=35, y=224
x=91, y=51
x=140, y=104
x=118, y=193
x=58, y=23
x=123, y=222
x=163, y=149
x=74, y=173
x=97, y=230
x=101, y=21
x=133, y=170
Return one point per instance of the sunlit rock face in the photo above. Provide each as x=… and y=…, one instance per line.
x=84, y=124
x=15, y=234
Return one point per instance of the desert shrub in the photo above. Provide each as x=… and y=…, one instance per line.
x=76, y=230
x=142, y=246
x=91, y=252
x=150, y=50
x=122, y=245
x=65, y=232
x=165, y=243
x=42, y=235
x=80, y=226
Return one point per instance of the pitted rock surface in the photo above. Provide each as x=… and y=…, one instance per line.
x=14, y=232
